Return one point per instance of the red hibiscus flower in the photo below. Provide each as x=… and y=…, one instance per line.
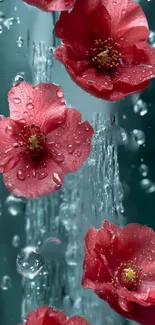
x=41, y=140
x=105, y=50
x=51, y=5
x=45, y=315
x=119, y=266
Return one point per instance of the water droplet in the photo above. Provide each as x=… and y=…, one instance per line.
x=17, y=80
x=152, y=38
x=143, y=169
x=60, y=93
x=2, y=16
x=59, y=157
x=42, y=175
x=70, y=148
x=78, y=152
x=140, y=107
x=29, y=262
x=147, y=185
x=9, y=130
x=139, y=136
x=29, y=106
x=21, y=175
x=1, y=29
x=57, y=180
x=15, y=241
x=77, y=140
x=13, y=204
x=17, y=100
x=57, y=145
x=20, y=41
x=6, y=282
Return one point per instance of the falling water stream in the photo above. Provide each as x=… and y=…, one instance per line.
x=86, y=198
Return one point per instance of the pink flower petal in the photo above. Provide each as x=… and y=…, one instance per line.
x=133, y=26
x=9, y=154
x=43, y=105
x=74, y=141
x=51, y=5
x=28, y=181
x=135, y=243
x=85, y=30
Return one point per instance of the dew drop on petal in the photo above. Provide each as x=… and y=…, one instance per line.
x=21, y=175
x=59, y=157
x=17, y=100
x=29, y=106
x=42, y=175
x=9, y=129
x=60, y=93
x=70, y=148
x=6, y=282
x=29, y=262
x=15, y=241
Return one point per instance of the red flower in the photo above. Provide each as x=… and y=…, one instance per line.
x=45, y=315
x=42, y=141
x=51, y=5
x=119, y=266
x=105, y=49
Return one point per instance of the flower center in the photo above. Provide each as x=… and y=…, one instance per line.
x=105, y=54
x=32, y=140
x=129, y=275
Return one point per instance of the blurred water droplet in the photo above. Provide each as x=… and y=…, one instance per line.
x=1, y=29
x=2, y=16
x=152, y=38
x=14, y=205
x=143, y=169
x=109, y=320
x=147, y=185
x=139, y=136
x=17, y=79
x=20, y=41
x=140, y=107
x=6, y=282
x=15, y=241
x=29, y=262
